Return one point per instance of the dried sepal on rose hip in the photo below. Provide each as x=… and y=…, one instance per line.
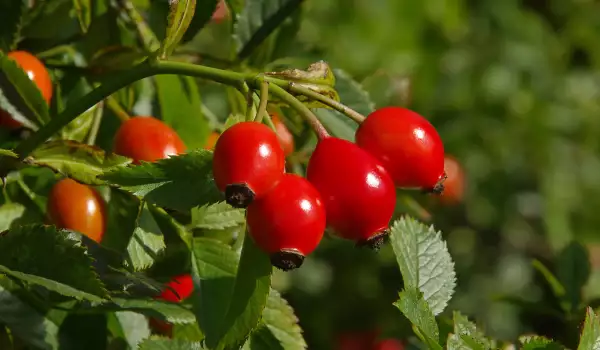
x=288, y=222
x=248, y=161
x=77, y=207
x=407, y=145
x=147, y=139
x=358, y=193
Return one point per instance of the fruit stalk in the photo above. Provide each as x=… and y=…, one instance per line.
x=264, y=98
x=150, y=68
x=352, y=114
x=301, y=108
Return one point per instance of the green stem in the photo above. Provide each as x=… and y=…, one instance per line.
x=352, y=114
x=119, y=111
x=249, y=105
x=147, y=69
x=145, y=34
x=301, y=108
x=264, y=98
x=95, y=124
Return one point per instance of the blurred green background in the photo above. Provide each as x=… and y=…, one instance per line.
x=513, y=88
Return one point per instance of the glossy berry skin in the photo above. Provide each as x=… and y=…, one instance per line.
x=182, y=284
x=407, y=145
x=454, y=183
x=286, y=139
x=77, y=207
x=211, y=141
x=37, y=72
x=147, y=139
x=359, y=195
x=248, y=161
x=288, y=222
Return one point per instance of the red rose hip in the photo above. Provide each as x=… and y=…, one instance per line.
x=37, y=72
x=248, y=161
x=454, y=183
x=407, y=145
x=77, y=207
x=147, y=139
x=178, y=288
x=288, y=222
x=358, y=193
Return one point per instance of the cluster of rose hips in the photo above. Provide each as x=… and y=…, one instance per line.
x=349, y=187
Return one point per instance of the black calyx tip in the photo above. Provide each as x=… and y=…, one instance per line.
x=239, y=195
x=376, y=241
x=438, y=189
x=287, y=260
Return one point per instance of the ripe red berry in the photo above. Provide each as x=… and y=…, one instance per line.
x=37, y=72
x=286, y=139
x=211, y=141
x=359, y=195
x=248, y=161
x=288, y=222
x=407, y=145
x=77, y=207
x=454, y=183
x=183, y=285
x=389, y=344
x=147, y=139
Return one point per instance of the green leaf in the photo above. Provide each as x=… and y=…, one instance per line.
x=147, y=242
x=157, y=343
x=235, y=7
x=172, y=230
x=9, y=212
x=180, y=16
x=466, y=335
x=424, y=261
x=352, y=95
x=165, y=311
x=133, y=327
x=11, y=19
x=123, y=210
x=258, y=19
x=417, y=311
x=181, y=108
x=202, y=15
x=233, y=119
x=180, y=182
x=250, y=292
x=19, y=95
x=8, y=153
x=46, y=256
x=189, y=331
x=318, y=77
x=573, y=270
x=231, y=303
x=590, y=336
x=279, y=318
x=539, y=343
x=217, y=216
x=214, y=268
x=27, y=323
x=557, y=288
x=76, y=160
x=51, y=285
x=144, y=248
x=83, y=8
x=78, y=129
